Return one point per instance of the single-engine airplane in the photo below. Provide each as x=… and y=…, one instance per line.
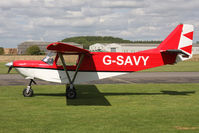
x=98, y=65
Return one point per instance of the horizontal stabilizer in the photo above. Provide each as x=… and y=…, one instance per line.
x=177, y=51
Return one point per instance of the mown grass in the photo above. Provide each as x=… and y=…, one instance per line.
x=137, y=108
x=186, y=66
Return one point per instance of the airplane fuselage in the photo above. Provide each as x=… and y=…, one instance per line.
x=97, y=65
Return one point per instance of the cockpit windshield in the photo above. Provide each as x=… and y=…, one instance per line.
x=49, y=58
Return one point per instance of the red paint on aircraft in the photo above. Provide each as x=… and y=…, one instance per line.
x=65, y=48
x=172, y=41
x=189, y=35
x=187, y=49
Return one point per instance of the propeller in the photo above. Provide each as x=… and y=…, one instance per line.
x=10, y=65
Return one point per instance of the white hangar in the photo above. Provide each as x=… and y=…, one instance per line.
x=129, y=47
x=121, y=47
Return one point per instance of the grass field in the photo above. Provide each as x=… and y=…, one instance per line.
x=186, y=66
x=9, y=58
x=136, y=108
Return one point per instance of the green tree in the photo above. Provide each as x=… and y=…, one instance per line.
x=86, y=41
x=1, y=50
x=33, y=50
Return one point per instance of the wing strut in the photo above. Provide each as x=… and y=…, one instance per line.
x=71, y=93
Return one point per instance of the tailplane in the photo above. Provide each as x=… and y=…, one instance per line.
x=179, y=41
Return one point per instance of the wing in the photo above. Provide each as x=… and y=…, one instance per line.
x=65, y=48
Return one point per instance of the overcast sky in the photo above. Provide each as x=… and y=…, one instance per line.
x=54, y=20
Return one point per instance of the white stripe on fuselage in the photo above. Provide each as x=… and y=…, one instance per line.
x=59, y=76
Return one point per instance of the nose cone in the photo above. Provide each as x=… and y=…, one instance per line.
x=9, y=64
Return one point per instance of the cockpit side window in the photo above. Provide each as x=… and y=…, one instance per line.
x=70, y=60
x=49, y=59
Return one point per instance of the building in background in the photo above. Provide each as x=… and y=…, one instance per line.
x=97, y=47
x=42, y=45
x=121, y=47
x=10, y=51
x=129, y=47
x=195, y=48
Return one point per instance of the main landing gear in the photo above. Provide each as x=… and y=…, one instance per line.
x=28, y=92
x=70, y=89
x=70, y=92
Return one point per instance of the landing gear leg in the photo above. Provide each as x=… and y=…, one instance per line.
x=70, y=92
x=28, y=92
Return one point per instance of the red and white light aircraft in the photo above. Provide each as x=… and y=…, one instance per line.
x=98, y=65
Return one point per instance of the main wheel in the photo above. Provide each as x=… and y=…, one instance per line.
x=71, y=93
x=29, y=93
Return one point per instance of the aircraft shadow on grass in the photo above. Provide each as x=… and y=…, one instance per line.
x=89, y=95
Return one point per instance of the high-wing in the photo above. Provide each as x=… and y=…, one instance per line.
x=65, y=48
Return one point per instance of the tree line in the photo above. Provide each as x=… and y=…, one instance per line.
x=86, y=41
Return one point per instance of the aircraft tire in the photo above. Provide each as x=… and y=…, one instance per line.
x=29, y=94
x=71, y=93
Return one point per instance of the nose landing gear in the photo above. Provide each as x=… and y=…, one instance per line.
x=28, y=92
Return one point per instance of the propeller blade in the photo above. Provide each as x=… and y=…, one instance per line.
x=10, y=65
x=9, y=69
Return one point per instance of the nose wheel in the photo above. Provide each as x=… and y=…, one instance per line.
x=28, y=92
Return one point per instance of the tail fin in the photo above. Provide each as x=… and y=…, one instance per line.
x=179, y=41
